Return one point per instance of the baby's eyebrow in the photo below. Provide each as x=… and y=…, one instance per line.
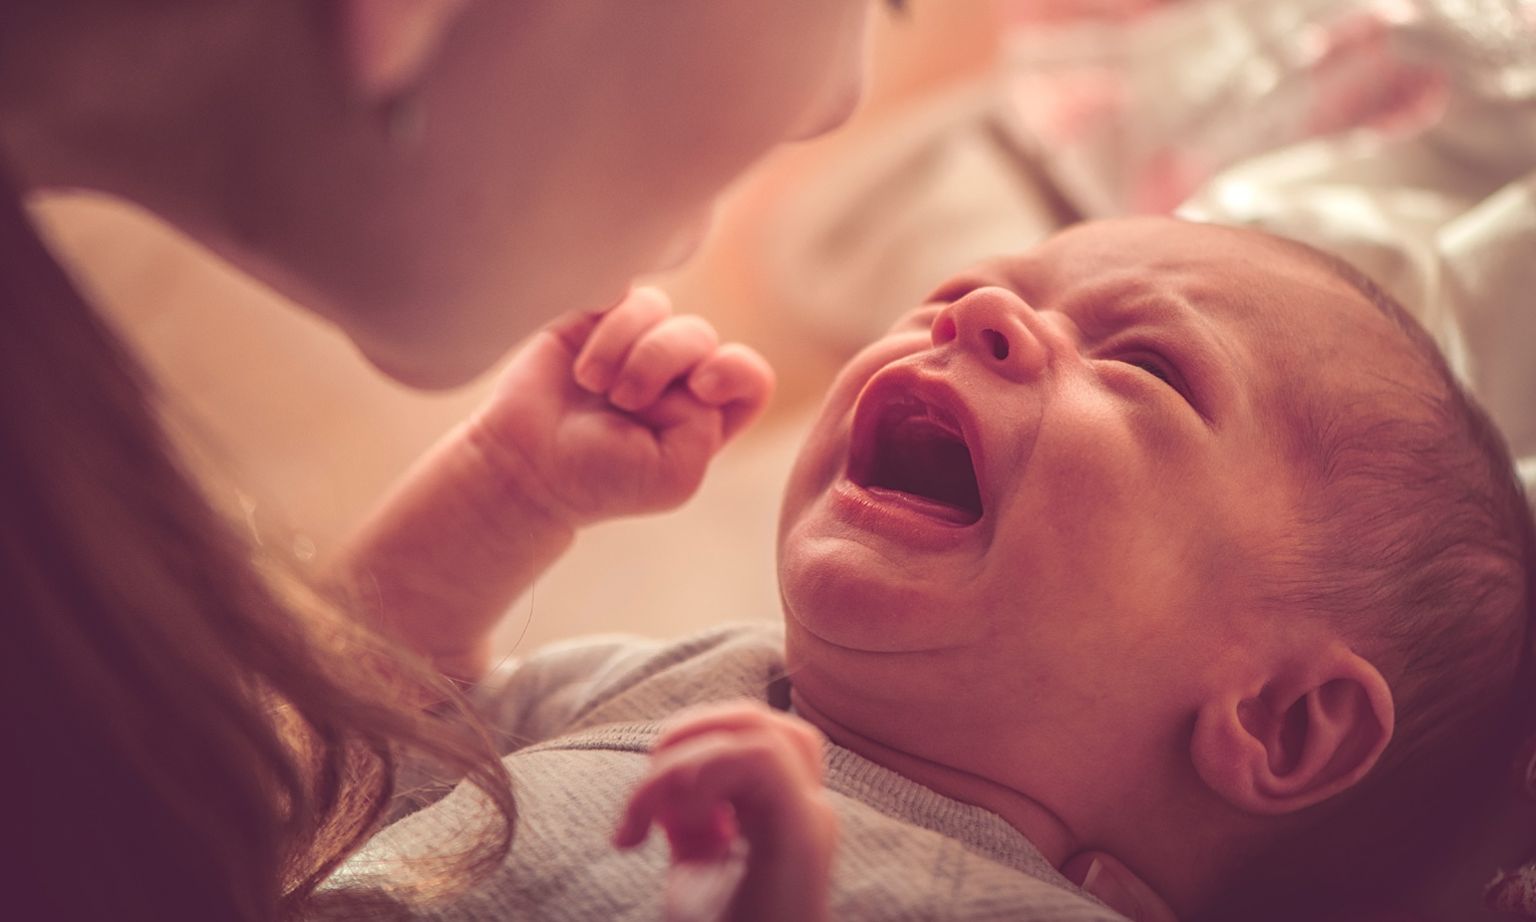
x=1102, y=311
x=1204, y=355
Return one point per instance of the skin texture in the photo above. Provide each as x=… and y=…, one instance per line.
x=1133, y=474
x=437, y=178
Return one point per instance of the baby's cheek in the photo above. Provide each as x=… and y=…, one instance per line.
x=823, y=458
x=1119, y=508
x=1089, y=451
x=1237, y=534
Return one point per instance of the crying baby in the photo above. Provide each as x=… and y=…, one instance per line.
x=1167, y=542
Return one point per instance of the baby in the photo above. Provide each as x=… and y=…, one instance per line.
x=1168, y=544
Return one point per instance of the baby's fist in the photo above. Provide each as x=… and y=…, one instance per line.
x=620, y=413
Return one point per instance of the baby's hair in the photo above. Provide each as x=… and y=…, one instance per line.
x=1415, y=533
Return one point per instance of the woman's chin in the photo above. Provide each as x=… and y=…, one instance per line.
x=428, y=370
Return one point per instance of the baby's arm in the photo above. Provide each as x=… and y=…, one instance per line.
x=739, y=771
x=597, y=416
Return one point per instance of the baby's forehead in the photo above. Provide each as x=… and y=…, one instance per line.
x=1231, y=266
x=1253, y=286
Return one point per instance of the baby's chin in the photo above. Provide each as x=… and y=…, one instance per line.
x=829, y=599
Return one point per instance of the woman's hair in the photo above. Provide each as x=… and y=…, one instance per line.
x=190, y=733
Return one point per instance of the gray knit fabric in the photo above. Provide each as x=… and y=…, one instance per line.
x=578, y=721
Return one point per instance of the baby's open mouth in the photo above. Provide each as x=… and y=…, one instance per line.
x=917, y=451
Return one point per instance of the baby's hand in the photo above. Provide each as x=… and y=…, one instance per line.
x=619, y=413
x=739, y=771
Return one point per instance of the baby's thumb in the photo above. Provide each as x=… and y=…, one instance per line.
x=1121, y=890
x=736, y=379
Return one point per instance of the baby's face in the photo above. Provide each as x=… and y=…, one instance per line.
x=1039, y=496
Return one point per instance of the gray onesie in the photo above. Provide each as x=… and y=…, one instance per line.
x=578, y=720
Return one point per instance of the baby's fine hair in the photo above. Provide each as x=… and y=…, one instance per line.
x=1417, y=535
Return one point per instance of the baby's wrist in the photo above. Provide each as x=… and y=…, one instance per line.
x=516, y=502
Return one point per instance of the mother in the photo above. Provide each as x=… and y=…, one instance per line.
x=198, y=738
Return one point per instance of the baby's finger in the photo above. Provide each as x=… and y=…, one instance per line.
x=645, y=804
x=635, y=823
x=757, y=774
x=667, y=785
x=688, y=435
x=688, y=781
x=699, y=830
x=663, y=354
x=574, y=328
x=738, y=380
x=603, y=353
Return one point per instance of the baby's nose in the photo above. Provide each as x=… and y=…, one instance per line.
x=991, y=324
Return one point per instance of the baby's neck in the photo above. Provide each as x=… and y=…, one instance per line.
x=1044, y=829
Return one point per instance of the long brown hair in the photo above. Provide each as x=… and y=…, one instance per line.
x=195, y=734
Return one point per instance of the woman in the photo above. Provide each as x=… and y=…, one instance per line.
x=199, y=737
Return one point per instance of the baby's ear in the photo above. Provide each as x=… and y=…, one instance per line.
x=1312, y=731
x=386, y=44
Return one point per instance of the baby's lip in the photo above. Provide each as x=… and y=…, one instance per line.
x=905, y=411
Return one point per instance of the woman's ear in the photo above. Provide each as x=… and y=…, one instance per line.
x=1312, y=731
x=386, y=44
